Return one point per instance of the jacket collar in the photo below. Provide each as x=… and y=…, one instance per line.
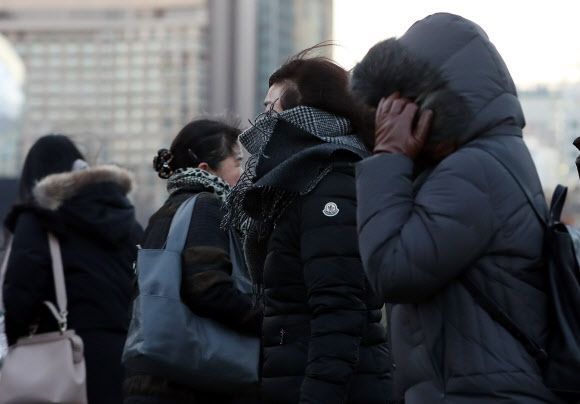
x=52, y=191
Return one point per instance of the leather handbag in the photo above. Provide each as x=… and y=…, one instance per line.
x=48, y=367
x=167, y=340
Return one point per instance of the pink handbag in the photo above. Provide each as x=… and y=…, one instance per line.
x=49, y=367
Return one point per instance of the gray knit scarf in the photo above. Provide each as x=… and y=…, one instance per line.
x=193, y=179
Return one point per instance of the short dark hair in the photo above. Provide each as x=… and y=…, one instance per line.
x=201, y=141
x=320, y=83
x=50, y=154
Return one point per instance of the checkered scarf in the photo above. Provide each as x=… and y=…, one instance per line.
x=323, y=125
x=270, y=198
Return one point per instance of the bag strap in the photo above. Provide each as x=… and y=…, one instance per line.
x=557, y=204
x=3, y=269
x=240, y=274
x=522, y=187
x=503, y=319
x=60, y=310
x=179, y=228
x=61, y=313
x=484, y=301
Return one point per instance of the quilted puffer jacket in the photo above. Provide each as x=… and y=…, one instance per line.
x=422, y=229
x=323, y=341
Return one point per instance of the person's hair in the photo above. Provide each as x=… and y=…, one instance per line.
x=201, y=141
x=51, y=154
x=320, y=83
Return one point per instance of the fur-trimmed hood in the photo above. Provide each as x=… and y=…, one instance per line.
x=52, y=191
x=448, y=64
x=92, y=202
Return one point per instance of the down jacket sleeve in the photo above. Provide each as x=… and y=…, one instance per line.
x=28, y=276
x=414, y=245
x=335, y=283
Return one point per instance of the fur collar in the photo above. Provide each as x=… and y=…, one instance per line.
x=447, y=64
x=51, y=192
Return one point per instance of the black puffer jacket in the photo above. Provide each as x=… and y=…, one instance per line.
x=421, y=231
x=322, y=337
x=323, y=341
x=95, y=224
x=207, y=289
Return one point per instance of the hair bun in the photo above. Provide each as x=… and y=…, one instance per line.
x=162, y=163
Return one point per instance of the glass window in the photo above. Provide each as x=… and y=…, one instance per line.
x=137, y=74
x=37, y=48
x=89, y=48
x=121, y=101
x=72, y=61
x=122, y=74
x=55, y=48
x=136, y=126
x=138, y=60
x=121, y=127
x=120, y=113
x=122, y=47
x=72, y=47
x=121, y=86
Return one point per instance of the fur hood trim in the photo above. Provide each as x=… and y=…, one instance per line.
x=51, y=192
x=445, y=63
x=390, y=67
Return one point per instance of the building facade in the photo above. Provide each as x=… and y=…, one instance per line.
x=122, y=78
x=285, y=28
x=11, y=104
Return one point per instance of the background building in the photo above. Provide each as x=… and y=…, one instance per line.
x=11, y=103
x=284, y=28
x=552, y=124
x=122, y=77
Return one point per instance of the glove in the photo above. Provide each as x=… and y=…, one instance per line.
x=394, y=129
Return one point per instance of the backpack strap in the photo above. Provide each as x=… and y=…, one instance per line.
x=485, y=302
x=557, y=205
x=541, y=217
x=503, y=319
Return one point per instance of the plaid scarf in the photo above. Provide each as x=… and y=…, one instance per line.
x=291, y=152
x=323, y=125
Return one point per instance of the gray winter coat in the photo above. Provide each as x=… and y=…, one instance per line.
x=421, y=230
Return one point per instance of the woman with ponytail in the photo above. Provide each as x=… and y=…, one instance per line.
x=204, y=160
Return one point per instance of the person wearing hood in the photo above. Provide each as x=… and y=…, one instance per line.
x=204, y=160
x=439, y=210
x=88, y=211
x=322, y=337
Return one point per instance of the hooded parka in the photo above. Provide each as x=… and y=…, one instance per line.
x=424, y=226
x=92, y=218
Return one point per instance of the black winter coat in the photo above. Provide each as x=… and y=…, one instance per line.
x=421, y=231
x=323, y=341
x=95, y=224
x=207, y=289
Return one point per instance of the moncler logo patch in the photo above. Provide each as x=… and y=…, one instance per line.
x=330, y=209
